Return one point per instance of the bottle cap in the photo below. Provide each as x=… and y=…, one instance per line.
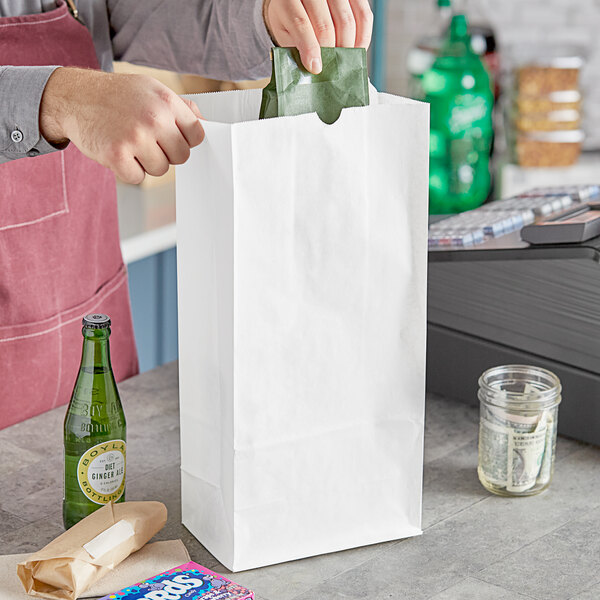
x=96, y=321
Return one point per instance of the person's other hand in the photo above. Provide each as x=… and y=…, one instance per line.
x=310, y=24
x=131, y=124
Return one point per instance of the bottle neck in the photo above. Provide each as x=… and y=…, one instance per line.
x=457, y=42
x=459, y=29
x=96, y=350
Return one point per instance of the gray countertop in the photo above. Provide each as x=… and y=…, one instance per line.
x=475, y=545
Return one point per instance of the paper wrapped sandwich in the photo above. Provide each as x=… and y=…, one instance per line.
x=71, y=563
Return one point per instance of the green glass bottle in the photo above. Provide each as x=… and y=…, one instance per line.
x=459, y=90
x=94, y=429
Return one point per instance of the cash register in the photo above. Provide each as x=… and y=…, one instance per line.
x=518, y=281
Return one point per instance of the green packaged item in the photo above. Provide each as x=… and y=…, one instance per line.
x=293, y=90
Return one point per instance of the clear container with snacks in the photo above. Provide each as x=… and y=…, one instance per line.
x=545, y=107
x=540, y=69
x=548, y=103
x=517, y=429
x=556, y=120
x=548, y=148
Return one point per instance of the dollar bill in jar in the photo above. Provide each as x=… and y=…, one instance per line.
x=517, y=433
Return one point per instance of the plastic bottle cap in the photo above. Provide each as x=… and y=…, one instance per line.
x=96, y=321
x=442, y=3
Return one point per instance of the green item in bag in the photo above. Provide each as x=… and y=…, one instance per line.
x=293, y=90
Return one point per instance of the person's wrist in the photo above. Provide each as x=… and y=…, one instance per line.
x=54, y=106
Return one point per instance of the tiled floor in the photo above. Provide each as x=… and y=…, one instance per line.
x=475, y=545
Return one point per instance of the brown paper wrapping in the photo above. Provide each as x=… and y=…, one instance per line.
x=153, y=558
x=64, y=569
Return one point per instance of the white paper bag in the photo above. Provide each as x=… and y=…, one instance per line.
x=301, y=255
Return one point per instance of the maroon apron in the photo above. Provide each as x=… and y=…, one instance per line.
x=60, y=256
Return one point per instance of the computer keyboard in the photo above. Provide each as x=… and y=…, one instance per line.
x=502, y=217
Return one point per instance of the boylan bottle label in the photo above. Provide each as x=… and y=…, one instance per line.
x=101, y=472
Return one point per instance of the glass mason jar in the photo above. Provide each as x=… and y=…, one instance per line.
x=517, y=429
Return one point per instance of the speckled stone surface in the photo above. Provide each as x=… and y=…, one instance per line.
x=475, y=545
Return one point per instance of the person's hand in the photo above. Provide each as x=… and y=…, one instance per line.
x=131, y=124
x=310, y=24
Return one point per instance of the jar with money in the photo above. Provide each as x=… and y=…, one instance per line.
x=517, y=429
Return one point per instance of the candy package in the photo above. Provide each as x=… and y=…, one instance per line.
x=186, y=582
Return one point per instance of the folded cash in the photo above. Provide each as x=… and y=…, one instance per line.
x=516, y=449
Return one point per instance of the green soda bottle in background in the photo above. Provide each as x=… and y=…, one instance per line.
x=459, y=90
x=94, y=429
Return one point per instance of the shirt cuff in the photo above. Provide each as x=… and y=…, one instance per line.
x=21, y=90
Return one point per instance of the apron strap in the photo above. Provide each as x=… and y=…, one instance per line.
x=73, y=10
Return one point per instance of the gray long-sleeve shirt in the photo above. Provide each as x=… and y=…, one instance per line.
x=220, y=39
